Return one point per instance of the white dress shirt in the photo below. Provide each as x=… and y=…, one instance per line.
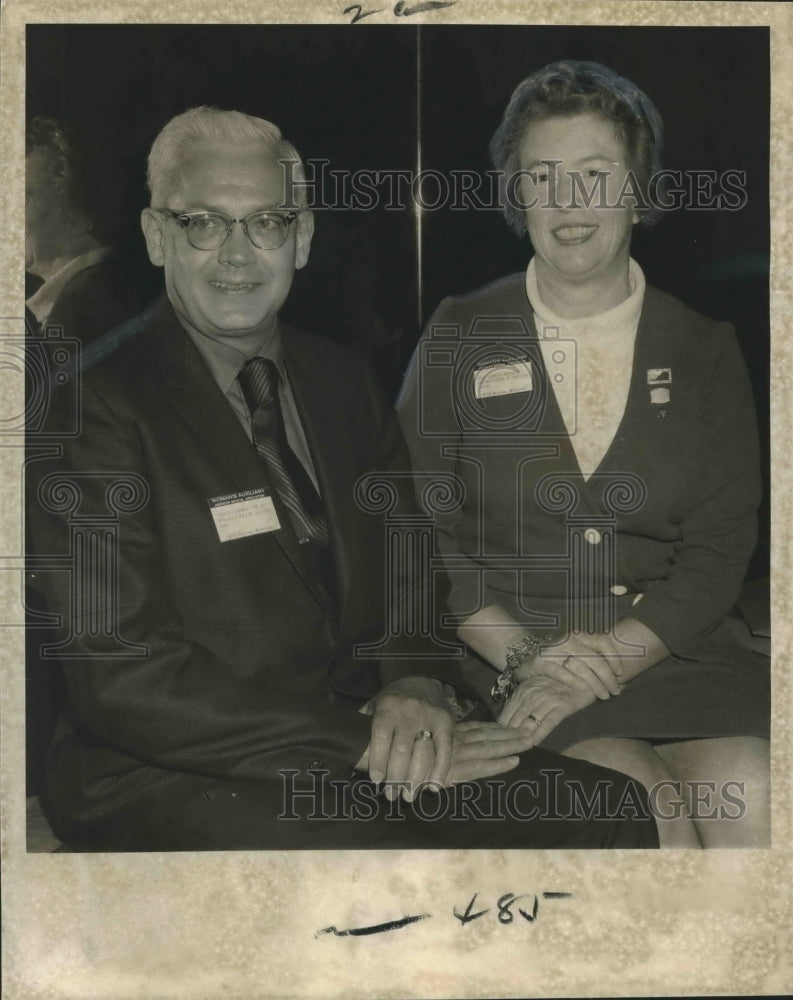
x=43, y=299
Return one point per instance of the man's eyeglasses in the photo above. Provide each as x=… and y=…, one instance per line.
x=210, y=230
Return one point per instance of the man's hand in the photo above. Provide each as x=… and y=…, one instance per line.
x=583, y=662
x=397, y=753
x=540, y=704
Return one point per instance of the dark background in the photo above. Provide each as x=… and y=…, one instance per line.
x=348, y=94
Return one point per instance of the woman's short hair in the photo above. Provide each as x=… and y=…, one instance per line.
x=230, y=128
x=569, y=88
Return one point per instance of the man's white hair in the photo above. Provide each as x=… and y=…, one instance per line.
x=228, y=128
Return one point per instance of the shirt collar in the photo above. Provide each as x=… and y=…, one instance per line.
x=624, y=314
x=225, y=362
x=43, y=299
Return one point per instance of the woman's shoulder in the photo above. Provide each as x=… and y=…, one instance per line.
x=505, y=295
x=676, y=315
x=701, y=344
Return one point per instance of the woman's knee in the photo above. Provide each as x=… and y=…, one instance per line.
x=667, y=799
x=633, y=757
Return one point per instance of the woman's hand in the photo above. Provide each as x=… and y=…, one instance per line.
x=541, y=703
x=478, y=750
x=582, y=662
x=484, y=749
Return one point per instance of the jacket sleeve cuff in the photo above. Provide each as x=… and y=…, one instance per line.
x=673, y=628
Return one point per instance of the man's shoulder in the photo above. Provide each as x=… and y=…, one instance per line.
x=323, y=356
x=107, y=271
x=314, y=345
x=110, y=376
x=97, y=298
x=123, y=349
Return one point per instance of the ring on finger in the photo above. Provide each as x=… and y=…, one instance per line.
x=423, y=734
x=534, y=719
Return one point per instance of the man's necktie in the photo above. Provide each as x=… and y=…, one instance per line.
x=259, y=383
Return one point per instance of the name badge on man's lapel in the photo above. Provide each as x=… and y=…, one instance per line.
x=502, y=377
x=238, y=515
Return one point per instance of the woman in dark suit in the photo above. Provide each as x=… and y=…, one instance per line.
x=599, y=446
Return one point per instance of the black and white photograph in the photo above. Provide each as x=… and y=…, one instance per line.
x=392, y=415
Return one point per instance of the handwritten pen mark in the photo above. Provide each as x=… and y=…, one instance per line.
x=360, y=13
x=557, y=895
x=533, y=915
x=466, y=917
x=505, y=914
x=391, y=925
x=401, y=9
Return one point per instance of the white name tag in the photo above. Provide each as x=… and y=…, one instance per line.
x=238, y=515
x=503, y=378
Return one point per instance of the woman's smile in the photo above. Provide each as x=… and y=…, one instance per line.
x=570, y=235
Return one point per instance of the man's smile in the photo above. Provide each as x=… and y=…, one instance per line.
x=235, y=287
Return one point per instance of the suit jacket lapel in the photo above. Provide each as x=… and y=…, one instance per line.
x=196, y=396
x=198, y=399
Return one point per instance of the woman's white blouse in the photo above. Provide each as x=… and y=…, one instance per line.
x=589, y=361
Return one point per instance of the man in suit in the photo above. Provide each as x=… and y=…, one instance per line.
x=228, y=575
x=73, y=276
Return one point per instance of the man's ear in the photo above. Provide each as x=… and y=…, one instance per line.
x=305, y=230
x=153, y=225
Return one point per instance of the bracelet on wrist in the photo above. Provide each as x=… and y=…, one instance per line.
x=518, y=653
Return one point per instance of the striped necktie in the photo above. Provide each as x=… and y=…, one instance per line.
x=258, y=380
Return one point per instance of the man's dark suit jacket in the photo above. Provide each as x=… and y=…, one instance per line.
x=246, y=669
x=95, y=300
